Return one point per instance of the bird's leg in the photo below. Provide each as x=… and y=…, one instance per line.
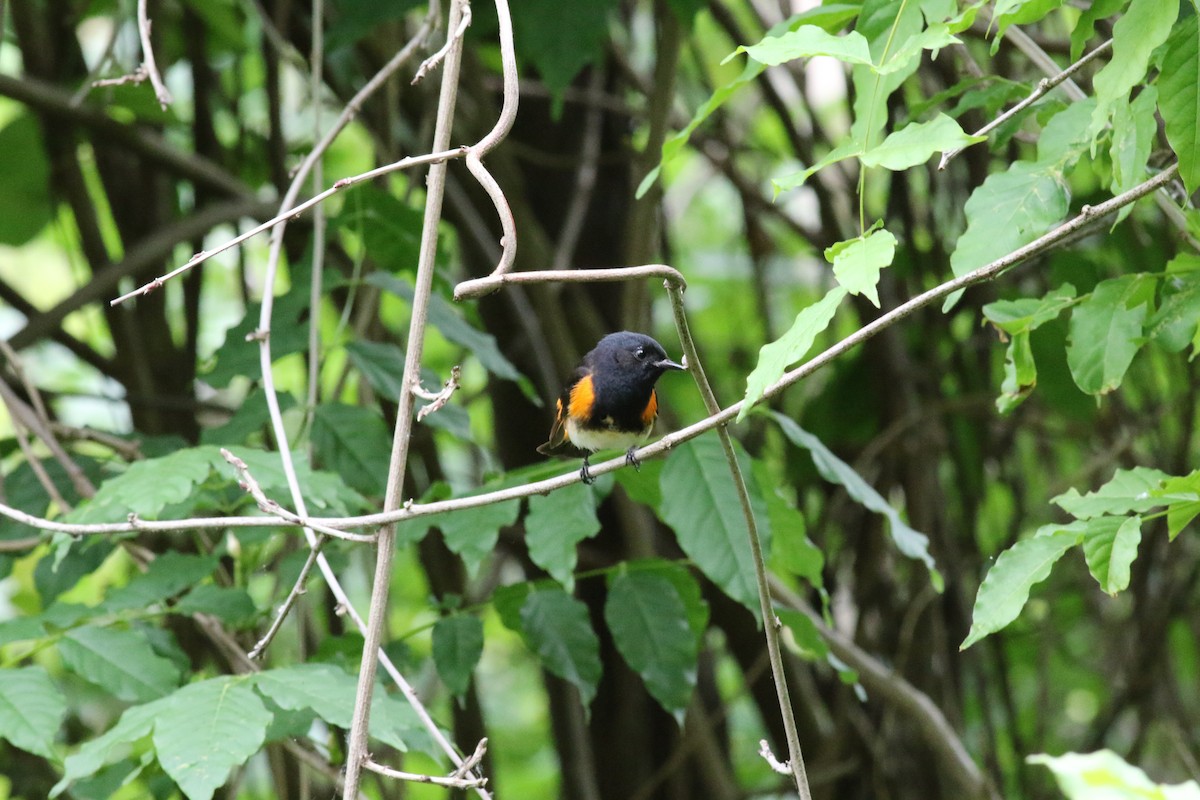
x=585, y=474
x=631, y=458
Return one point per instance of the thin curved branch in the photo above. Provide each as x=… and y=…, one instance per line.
x=160, y=89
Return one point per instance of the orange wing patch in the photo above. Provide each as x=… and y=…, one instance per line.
x=583, y=397
x=651, y=410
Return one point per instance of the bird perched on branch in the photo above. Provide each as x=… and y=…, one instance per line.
x=610, y=400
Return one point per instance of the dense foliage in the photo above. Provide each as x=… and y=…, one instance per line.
x=977, y=514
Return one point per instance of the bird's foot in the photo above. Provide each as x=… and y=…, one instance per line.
x=585, y=473
x=631, y=458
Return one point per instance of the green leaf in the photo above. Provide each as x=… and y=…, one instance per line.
x=805, y=42
x=915, y=143
x=1005, y=590
x=329, y=692
x=702, y=507
x=559, y=39
x=1006, y=211
x=1029, y=313
x=355, y=443
x=1129, y=491
x=1104, y=775
x=206, y=729
x=149, y=486
x=1134, y=132
x=556, y=627
x=119, y=661
x=1137, y=33
x=114, y=745
x=25, y=203
x=230, y=604
x=649, y=625
x=686, y=586
x=858, y=262
x=1065, y=137
x=382, y=364
x=1020, y=373
x=457, y=647
x=910, y=542
x=168, y=575
x=1106, y=333
x=1086, y=26
x=795, y=180
x=1110, y=546
x=472, y=532
x=1174, y=325
x=31, y=710
x=389, y=227
x=776, y=357
x=886, y=25
x=249, y=419
x=1185, y=503
x=1179, y=98
x=556, y=523
x=1021, y=12
x=791, y=549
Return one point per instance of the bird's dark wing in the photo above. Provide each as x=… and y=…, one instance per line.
x=562, y=408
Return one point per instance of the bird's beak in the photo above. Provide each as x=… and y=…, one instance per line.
x=667, y=363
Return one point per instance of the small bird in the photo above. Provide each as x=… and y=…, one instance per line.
x=610, y=400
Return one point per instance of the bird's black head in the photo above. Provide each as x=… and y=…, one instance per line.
x=632, y=351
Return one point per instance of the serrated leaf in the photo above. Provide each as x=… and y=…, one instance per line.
x=1179, y=98
x=649, y=625
x=1106, y=333
x=556, y=627
x=1029, y=313
x=207, y=729
x=686, y=586
x=1104, y=775
x=776, y=357
x=556, y=524
x=1135, y=130
x=230, y=604
x=31, y=710
x=355, y=443
x=1005, y=590
x=1137, y=33
x=1008, y=210
x=1110, y=546
x=471, y=533
x=149, y=486
x=1086, y=26
x=113, y=745
x=910, y=542
x=119, y=661
x=702, y=507
x=168, y=575
x=1174, y=324
x=457, y=647
x=805, y=42
x=858, y=262
x=1129, y=491
x=329, y=692
x=916, y=143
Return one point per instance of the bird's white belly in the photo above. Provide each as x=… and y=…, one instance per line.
x=594, y=439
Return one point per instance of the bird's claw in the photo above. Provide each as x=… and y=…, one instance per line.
x=631, y=458
x=585, y=473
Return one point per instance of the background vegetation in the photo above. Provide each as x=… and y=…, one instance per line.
x=1035, y=433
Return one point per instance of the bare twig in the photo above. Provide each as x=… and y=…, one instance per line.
x=1044, y=86
x=795, y=765
x=764, y=750
x=356, y=747
x=504, y=123
x=160, y=89
x=435, y=59
x=440, y=398
x=290, y=213
x=478, y=287
x=298, y=588
x=138, y=75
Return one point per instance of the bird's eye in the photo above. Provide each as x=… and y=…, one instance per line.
x=640, y=354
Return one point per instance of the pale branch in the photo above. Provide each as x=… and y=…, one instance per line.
x=795, y=764
x=435, y=183
x=1088, y=215
x=160, y=89
x=478, y=287
x=504, y=123
x=298, y=588
x=292, y=213
x=764, y=750
x=431, y=63
x=1044, y=87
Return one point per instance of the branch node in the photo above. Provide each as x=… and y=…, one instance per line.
x=436, y=399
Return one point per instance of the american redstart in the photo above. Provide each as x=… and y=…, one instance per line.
x=610, y=400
